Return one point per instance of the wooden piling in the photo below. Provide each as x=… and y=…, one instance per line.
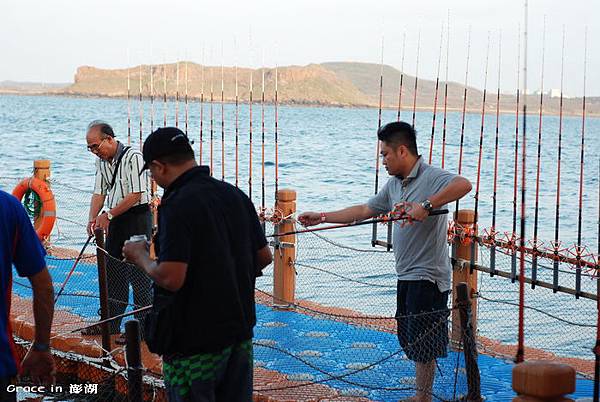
x=284, y=274
x=461, y=273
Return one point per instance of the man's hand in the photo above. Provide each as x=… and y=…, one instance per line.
x=310, y=218
x=39, y=366
x=413, y=210
x=102, y=221
x=91, y=226
x=136, y=251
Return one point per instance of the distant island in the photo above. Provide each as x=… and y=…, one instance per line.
x=342, y=84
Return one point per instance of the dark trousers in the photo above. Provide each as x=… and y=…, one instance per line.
x=6, y=396
x=136, y=221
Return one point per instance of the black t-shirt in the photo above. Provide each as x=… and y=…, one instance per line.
x=213, y=227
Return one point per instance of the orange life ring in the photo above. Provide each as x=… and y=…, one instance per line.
x=44, y=222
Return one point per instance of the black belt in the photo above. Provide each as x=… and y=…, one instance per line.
x=138, y=209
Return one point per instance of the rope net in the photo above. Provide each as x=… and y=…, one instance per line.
x=341, y=336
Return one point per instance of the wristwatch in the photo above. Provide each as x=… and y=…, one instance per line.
x=109, y=215
x=427, y=206
x=40, y=347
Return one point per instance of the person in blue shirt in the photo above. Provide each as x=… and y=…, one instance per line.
x=20, y=246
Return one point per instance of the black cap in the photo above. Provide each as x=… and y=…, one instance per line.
x=165, y=141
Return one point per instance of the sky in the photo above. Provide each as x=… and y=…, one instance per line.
x=45, y=41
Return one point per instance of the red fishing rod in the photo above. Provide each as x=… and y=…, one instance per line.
x=597, y=347
x=481, y=132
x=151, y=98
x=165, y=93
x=513, y=270
x=521, y=341
x=495, y=185
x=464, y=110
x=186, y=99
x=446, y=93
x=401, y=76
x=556, y=245
x=222, y=117
x=201, y=106
x=276, y=131
x=534, y=258
x=237, y=128
x=414, y=111
x=435, y=99
x=377, y=151
x=262, y=129
x=177, y=95
x=212, y=132
x=386, y=219
x=141, y=109
x=128, y=101
x=579, y=217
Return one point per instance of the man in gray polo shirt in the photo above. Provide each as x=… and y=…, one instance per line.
x=420, y=246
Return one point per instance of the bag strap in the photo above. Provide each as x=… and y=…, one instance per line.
x=114, y=178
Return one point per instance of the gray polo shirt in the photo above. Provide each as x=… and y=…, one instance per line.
x=420, y=249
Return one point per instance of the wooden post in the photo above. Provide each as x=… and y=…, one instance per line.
x=284, y=274
x=103, y=288
x=461, y=253
x=543, y=381
x=133, y=353
x=468, y=340
x=41, y=169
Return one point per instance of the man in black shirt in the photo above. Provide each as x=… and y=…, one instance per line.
x=210, y=248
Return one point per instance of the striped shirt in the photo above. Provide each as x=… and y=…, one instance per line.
x=128, y=179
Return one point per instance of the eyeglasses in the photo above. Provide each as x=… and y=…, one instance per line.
x=95, y=147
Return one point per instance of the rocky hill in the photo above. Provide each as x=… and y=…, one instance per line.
x=345, y=84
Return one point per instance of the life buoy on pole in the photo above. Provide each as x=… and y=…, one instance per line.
x=44, y=221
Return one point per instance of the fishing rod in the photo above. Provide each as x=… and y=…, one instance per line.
x=464, y=109
x=495, y=185
x=73, y=268
x=579, y=217
x=446, y=93
x=534, y=258
x=151, y=97
x=597, y=347
x=386, y=219
x=481, y=132
x=141, y=109
x=435, y=99
x=556, y=245
x=250, y=127
x=212, y=133
x=201, y=106
x=237, y=135
x=377, y=150
x=186, y=99
x=165, y=93
x=513, y=268
x=128, y=100
x=276, y=131
x=177, y=95
x=521, y=340
x=222, y=116
x=262, y=123
x=401, y=76
x=416, y=80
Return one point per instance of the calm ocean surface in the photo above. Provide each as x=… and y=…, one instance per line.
x=327, y=155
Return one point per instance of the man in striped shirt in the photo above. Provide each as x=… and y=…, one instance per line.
x=125, y=196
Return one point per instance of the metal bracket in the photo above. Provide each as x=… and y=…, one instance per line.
x=281, y=244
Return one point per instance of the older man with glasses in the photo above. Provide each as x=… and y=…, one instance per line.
x=125, y=196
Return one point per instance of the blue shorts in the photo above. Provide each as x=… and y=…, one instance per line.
x=422, y=316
